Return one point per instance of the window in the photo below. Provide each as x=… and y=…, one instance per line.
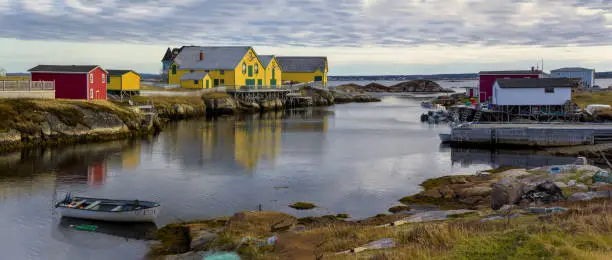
x=173, y=69
x=222, y=82
x=250, y=71
x=108, y=78
x=256, y=68
x=91, y=78
x=549, y=90
x=222, y=72
x=190, y=71
x=196, y=82
x=244, y=67
x=103, y=78
x=273, y=73
x=91, y=93
x=216, y=82
x=206, y=71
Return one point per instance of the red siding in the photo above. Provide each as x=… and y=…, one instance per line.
x=74, y=85
x=68, y=86
x=486, y=83
x=99, y=84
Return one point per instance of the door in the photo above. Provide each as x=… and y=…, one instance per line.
x=207, y=84
x=260, y=83
x=98, y=94
x=318, y=78
x=273, y=83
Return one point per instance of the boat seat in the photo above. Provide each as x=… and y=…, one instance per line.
x=117, y=208
x=93, y=204
x=79, y=204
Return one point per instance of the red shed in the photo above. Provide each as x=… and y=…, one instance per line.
x=73, y=81
x=488, y=78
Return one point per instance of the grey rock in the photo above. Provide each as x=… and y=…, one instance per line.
x=560, y=184
x=571, y=183
x=507, y=191
x=582, y=186
x=584, y=196
x=201, y=238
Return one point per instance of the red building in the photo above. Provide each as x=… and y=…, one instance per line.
x=73, y=81
x=487, y=79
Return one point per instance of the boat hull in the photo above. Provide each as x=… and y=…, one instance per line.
x=141, y=215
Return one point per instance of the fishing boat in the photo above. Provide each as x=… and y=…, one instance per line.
x=445, y=138
x=108, y=209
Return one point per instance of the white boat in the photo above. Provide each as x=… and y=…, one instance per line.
x=108, y=209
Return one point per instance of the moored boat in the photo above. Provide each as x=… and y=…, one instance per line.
x=108, y=209
x=445, y=138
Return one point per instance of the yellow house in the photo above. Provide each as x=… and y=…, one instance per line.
x=228, y=66
x=272, y=76
x=196, y=80
x=303, y=68
x=122, y=80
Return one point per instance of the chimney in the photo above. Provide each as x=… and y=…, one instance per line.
x=201, y=55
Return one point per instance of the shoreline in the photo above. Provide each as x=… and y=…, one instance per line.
x=334, y=237
x=53, y=123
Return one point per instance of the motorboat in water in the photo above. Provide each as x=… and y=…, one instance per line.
x=108, y=209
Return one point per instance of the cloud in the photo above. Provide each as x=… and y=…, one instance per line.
x=313, y=23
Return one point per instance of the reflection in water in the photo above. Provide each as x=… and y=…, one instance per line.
x=256, y=138
x=520, y=158
x=139, y=231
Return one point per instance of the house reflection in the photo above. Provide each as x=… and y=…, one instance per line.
x=96, y=174
x=241, y=141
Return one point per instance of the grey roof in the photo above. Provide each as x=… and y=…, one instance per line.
x=511, y=72
x=119, y=72
x=266, y=59
x=194, y=76
x=571, y=69
x=215, y=58
x=301, y=64
x=537, y=83
x=64, y=68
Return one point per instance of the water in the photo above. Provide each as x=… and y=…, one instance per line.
x=355, y=158
x=604, y=83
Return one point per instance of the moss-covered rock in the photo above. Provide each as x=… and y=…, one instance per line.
x=401, y=208
x=303, y=205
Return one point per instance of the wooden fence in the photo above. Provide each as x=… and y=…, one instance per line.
x=26, y=85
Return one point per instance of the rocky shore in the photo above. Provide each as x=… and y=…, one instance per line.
x=490, y=215
x=30, y=123
x=414, y=86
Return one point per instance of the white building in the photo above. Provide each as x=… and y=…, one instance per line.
x=532, y=92
x=587, y=76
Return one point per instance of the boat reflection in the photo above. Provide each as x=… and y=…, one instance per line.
x=495, y=158
x=138, y=231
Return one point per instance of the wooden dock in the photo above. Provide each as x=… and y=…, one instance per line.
x=536, y=134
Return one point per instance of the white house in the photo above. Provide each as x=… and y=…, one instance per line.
x=532, y=92
x=587, y=76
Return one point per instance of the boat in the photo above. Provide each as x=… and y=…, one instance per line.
x=445, y=138
x=108, y=209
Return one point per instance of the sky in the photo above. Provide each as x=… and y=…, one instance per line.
x=359, y=37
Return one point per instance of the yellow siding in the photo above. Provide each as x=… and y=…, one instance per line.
x=201, y=83
x=304, y=76
x=241, y=78
x=277, y=73
x=114, y=83
x=130, y=81
x=227, y=77
x=175, y=78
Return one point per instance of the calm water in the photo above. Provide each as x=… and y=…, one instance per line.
x=354, y=158
x=604, y=83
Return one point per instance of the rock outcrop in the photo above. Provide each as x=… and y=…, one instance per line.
x=420, y=85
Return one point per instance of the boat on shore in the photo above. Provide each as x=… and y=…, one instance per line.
x=108, y=209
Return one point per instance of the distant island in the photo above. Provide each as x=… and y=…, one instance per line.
x=415, y=86
x=459, y=76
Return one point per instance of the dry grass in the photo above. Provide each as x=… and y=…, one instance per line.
x=169, y=101
x=215, y=95
x=14, y=78
x=587, y=98
x=154, y=88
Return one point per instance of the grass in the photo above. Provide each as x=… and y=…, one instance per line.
x=583, y=232
x=303, y=205
x=502, y=168
x=396, y=209
x=584, y=99
x=215, y=95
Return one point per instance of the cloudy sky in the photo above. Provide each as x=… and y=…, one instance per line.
x=359, y=37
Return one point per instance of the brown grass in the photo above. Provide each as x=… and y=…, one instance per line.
x=587, y=98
